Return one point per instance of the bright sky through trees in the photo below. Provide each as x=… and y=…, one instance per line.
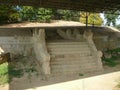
x=102, y=16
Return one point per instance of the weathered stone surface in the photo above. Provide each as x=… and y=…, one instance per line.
x=16, y=45
x=69, y=57
x=41, y=51
x=88, y=35
x=70, y=34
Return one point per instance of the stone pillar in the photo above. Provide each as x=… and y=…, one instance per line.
x=88, y=35
x=41, y=51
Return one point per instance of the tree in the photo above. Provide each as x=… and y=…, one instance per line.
x=44, y=15
x=92, y=18
x=69, y=15
x=8, y=14
x=111, y=18
x=29, y=13
x=118, y=26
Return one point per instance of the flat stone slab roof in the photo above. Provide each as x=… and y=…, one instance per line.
x=55, y=23
x=59, y=24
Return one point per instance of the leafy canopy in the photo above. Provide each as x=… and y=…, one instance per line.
x=8, y=14
x=92, y=18
x=111, y=18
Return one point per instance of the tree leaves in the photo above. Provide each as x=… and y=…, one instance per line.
x=8, y=14
x=92, y=18
x=111, y=18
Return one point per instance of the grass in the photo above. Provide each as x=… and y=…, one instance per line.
x=4, y=74
x=3, y=69
x=16, y=69
x=7, y=73
x=112, y=62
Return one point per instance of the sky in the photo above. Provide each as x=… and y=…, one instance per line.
x=102, y=16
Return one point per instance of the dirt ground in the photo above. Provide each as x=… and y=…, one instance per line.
x=30, y=81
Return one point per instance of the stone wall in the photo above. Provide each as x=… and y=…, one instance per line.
x=104, y=38
x=17, y=43
x=105, y=42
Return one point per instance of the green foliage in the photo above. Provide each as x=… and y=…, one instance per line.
x=14, y=17
x=29, y=13
x=116, y=50
x=3, y=69
x=80, y=74
x=7, y=73
x=13, y=72
x=118, y=26
x=44, y=15
x=17, y=69
x=69, y=15
x=4, y=77
x=110, y=61
x=92, y=18
x=8, y=14
x=111, y=17
x=115, y=56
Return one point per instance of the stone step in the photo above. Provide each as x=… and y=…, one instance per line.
x=70, y=55
x=67, y=43
x=61, y=40
x=68, y=52
x=70, y=66
x=70, y=58
x=68, y=46
x=69, y=49
x=62, y=62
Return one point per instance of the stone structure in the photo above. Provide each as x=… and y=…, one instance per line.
x=108, y=38
x=41, y=51
x=88, y=35
x=16, y=43
x=74, y=53
x=59, y=50
x=70, y=34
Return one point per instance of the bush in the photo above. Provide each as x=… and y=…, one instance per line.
x=4, y=78
x=115, y=56
x=44, y=15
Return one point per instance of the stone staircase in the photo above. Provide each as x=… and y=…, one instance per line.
x=70, y=57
